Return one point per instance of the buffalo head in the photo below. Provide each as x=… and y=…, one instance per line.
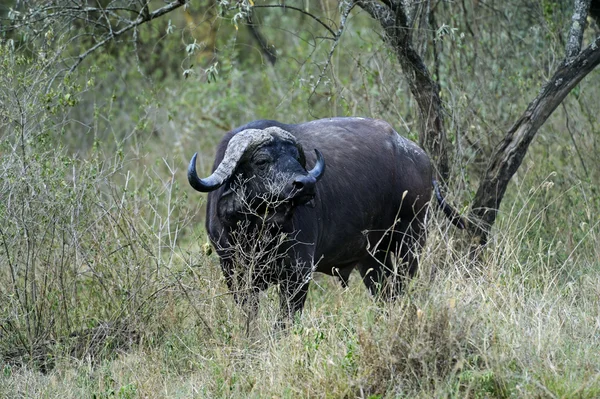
x=263, y=173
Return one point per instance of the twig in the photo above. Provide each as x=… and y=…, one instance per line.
x=338, y=36
x=10, y=264
x=269, y=53
x=573, y=140
x=299, y=10
x=141, y=19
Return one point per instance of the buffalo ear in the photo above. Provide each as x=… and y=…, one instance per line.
x=229, y=207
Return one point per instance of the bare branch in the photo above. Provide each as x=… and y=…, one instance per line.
x=578, y=23
x=142, y=18
x=145, y=8
x=510, y=153
x=338, y=36
x=283, y=6
x=267, y=51
x=567, y=125
x=378, y=12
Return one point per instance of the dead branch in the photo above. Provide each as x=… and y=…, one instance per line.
x=509, y=154
x=286, y=7
x=267, y=51
x=336, y=41
x=143, y=17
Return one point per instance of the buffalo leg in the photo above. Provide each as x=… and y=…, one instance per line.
x=246, y=296
x=227, y=269
x=407, y=244
x=373, y=272
x=383, y=275
x=411, y=244
x=292, y=295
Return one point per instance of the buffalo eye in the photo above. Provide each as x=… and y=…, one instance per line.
x=261, y=163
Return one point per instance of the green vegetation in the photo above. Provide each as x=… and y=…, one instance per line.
x=106, y=290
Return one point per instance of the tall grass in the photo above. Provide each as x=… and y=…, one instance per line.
x=89, y=252
x=514, y=323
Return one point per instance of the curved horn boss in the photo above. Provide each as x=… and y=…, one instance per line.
x=239, y=144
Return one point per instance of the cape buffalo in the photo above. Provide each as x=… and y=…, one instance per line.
x=272, y=221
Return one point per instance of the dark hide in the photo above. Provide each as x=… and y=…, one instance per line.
x=371, y=202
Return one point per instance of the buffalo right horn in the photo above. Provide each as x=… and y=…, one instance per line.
x=203, y=185
x=240, y=143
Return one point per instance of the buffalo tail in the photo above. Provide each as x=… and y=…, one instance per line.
x=449, y=211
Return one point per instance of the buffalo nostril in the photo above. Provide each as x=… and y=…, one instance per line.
x=304, y=184
x=298, y=185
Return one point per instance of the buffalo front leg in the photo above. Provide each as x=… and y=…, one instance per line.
x=250, y=308
x=372, y=272
x=292, y=295
x=406, y=244
x=244, y=294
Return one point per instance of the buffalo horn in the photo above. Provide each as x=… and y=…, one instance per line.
x=203, y=185
x=319, y=169
x=244, y=141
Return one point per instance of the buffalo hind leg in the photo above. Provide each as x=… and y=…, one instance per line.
x=374, y=271
x=407, y=244
x=412, y=243
x=384, y=274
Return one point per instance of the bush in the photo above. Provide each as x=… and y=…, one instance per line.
x=88, y=250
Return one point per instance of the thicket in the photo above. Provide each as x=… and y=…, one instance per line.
x=105, y=286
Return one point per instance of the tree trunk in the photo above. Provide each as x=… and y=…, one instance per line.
x=510, y=153
x=393, y=18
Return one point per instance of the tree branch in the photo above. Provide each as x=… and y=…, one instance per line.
x=142, y=18
x=510, y=153
x=579, y=21
x=267, y=51
x=378, y=12
x=284, y=6
x=573, y=140
x=337, y=37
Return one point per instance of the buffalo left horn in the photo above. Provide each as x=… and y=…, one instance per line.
x=319, y=169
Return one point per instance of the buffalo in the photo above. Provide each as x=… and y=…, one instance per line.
x=362, y=204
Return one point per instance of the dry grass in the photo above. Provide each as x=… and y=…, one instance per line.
x=510, y=325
